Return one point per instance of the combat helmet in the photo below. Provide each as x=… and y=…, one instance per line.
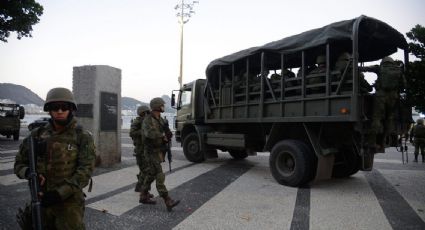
x=59, y=95
x=156, y=103
x=141, y=109
x=387, y=59
x=321, y=59
x=420, y=121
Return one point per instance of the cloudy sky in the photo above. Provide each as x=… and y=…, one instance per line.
x=142, y=37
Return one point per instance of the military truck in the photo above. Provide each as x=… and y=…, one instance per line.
x=313, y=123
x=10, y=116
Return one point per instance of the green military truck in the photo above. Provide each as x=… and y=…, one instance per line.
x=313, y=123
x=10, y=116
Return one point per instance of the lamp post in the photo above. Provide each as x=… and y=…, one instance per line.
x=184, y=12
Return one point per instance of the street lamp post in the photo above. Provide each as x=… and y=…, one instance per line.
x=184, y=12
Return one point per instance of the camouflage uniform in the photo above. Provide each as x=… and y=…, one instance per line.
x=418, y=133
x=66, y=159
x=155, y=136
x=136, y=136
x=387, y=94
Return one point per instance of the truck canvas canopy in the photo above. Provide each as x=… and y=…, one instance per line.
x=375, y=39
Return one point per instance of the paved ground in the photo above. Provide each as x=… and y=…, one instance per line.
x=227, y=194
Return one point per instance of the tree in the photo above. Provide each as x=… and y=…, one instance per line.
x=416, y=71
x=18, y=16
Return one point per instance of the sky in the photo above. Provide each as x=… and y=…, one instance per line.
x=142, y=37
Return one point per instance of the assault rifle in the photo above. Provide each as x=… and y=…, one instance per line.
x=168, y=149
x=34, y=187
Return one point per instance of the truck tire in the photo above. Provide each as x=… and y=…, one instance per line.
x=192, y=149
x=346, y=164
x=238, y=154
x=292, y=163
x=16, y=136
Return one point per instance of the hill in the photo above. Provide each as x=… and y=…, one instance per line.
x=24, y=96
x=19, y=94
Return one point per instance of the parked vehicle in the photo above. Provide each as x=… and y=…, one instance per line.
x=10, y=116
x=312, y=129
x=38, y=123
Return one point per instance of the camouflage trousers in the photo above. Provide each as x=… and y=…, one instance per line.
x=141, y=163
x=420, y=144
x=383, y=115
x=153, y=172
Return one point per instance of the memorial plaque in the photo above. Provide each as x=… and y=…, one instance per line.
x=85, y=110
x=108, y=111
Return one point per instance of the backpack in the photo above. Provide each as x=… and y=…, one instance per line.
x=390, y=75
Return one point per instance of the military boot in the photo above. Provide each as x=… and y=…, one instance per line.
x=138, y=187
x=145, y=198
x=170, y=203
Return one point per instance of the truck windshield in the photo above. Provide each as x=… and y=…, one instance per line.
x=185, y=98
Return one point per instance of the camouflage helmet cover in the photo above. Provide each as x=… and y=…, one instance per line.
x=387, y=59
x=156, y=103
x=420, y=121
x=344, y=57
x=142, y=109
x=59, y=95
x=321, y=59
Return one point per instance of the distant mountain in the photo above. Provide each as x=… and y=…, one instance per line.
x=19, y=94
x=24, y=96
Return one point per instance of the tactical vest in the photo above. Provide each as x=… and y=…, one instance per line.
x=57, y=160
x=419, y=131
x=389, y=78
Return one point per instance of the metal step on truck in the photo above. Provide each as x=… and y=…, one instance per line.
x=313, y=119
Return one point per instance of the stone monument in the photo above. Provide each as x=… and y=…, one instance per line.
x=97, y=91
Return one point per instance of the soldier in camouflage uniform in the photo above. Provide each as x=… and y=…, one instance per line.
x=65, y=158
x=388, y=84
x=418, y=132
x=155, y=136
x=136, y=136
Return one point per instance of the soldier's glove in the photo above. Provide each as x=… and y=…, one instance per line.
x=51, y=198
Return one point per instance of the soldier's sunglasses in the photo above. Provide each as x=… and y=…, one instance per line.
x=62, y=106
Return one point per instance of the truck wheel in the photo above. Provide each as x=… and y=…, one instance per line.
x=292, y=163
x=346, y=164
x=238, y=154
x=191, y=148
x=16, y=136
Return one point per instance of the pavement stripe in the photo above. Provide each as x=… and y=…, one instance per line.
x=6, y=165
x=406, y=183
x=194, y=193
x=301, y=217
x=11, y=179
x=9, y=151
x=128, y=199
x=252, y=201
x=399, y=213
x=334, y=202
x=387, y=161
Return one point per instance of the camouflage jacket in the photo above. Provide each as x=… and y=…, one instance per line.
x=153, y=134
x=66, y=158
x=136, y=134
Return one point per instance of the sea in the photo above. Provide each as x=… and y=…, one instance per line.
x=126, y=119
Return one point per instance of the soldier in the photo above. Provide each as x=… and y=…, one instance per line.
x=155, y=136
x=136, y=136
x=388, y=84
x=342, y=63
x=418, y=132
x=65, y=158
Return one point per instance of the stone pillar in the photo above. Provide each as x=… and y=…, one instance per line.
x=97, y=91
